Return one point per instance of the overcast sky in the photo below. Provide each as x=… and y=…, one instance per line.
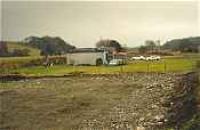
x=84, y=23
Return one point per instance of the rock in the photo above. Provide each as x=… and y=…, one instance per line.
x=154, y=106
x=159, y=123
x=159, y=117
x=142, y=119
x=140, y=128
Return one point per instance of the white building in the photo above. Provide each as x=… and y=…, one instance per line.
x=87, y=56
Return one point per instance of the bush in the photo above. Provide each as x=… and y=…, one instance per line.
x=14, y=64
x=34, y=62
x=193, y=124
x=58, y=60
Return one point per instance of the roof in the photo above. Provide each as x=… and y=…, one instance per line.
x=80, y=50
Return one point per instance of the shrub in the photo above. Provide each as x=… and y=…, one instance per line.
x=58, y=60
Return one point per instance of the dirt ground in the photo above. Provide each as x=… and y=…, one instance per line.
x=122, y=102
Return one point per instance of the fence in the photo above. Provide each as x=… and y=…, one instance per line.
x=166, y=65
x=139, y=67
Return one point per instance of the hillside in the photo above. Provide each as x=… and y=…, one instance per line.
x=17, y=45
x=191, y=44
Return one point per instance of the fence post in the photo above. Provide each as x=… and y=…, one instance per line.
x=165, y=67
x=148, y=66
x=74, y=69
x=121, y=68
x=197, y=66
x=95, y=69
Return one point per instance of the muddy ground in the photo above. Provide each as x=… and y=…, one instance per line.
x=101, y=102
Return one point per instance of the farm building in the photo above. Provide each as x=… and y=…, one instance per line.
x=87, y=56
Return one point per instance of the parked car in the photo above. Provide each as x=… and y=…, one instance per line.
x=138, y=58
x=151, y=58
x=115, y=62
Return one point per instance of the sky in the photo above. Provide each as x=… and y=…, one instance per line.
x=83, y=23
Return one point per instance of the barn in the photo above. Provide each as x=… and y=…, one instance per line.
x=87, y=56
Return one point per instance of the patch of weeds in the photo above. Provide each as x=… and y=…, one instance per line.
x=193, y=124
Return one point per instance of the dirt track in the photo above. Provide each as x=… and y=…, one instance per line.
x=135, y=101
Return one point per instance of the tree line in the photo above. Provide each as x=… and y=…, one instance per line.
x=57, y=46
x=182, y=45
x=49, y=45
x=53, y=46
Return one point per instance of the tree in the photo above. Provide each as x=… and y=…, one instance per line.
x=49, y=45
x=142, y=49
x=113, y=44
x=150, y=45
x=187, y=46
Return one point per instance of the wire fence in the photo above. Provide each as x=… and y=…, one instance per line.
x=162, y=66
x=139, y=67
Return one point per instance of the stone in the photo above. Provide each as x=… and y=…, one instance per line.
x=140, y=128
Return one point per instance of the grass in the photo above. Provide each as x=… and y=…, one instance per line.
x=165, y=65
x=182, y=63
x=8, y=63
x=17, y=59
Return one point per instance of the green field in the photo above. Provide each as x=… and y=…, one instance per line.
x=172, y=64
